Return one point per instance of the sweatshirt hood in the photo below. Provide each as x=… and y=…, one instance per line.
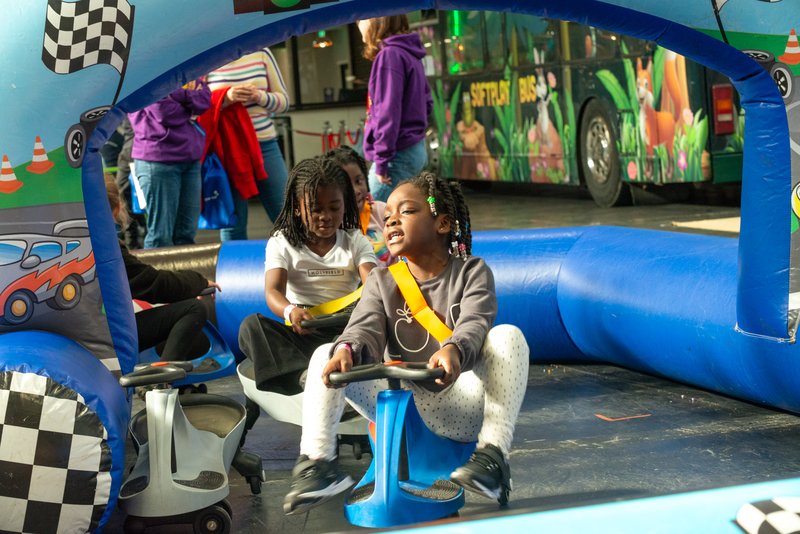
x=410, y=42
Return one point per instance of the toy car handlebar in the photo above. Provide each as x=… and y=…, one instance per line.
x=398, y=371
x=156, y=373
x=338, y=319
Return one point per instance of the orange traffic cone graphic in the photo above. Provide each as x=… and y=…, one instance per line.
x=8, y=180
x=792, y=54
x=40, y=164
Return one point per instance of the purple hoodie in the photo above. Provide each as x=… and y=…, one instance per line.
x=399, y=100
x=163, y=131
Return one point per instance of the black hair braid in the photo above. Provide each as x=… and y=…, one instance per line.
x=446, y=198
x=344, y=155
x=304, y=180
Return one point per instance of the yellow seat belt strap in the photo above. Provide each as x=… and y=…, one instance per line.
x=335, y=305
x=420, y=310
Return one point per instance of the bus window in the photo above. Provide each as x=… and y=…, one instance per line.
x=592, y=43
x=494, y=38
x=464, y=45
x=635, y=47
x=533, y=33
x=430, y=33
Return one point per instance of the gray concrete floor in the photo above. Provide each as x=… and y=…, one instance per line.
x=564, y=454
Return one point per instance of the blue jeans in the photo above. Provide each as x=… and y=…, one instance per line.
x=172, y=192
x=270, y=191
x=405, y=164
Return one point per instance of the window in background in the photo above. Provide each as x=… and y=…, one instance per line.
x=533, y=33
x=495, y=39
x=426, y=24
x=325, y=74
x=592, y=43
x=464, y=44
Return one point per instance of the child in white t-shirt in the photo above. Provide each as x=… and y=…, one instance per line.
x=316, y=254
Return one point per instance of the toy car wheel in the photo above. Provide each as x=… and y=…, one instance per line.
x=18, y=308
x=68, y=294
x=74, y=145
x=94, y=114
x=225, y=504
x=762, y=57
x=783, y=79
x=255, y=484
x=212, y=520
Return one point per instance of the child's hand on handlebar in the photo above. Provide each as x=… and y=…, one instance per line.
x=341, y=361
x=449, y=359
x=297, y=316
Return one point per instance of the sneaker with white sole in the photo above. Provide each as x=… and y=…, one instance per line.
x=486, y=473
x=313, y=483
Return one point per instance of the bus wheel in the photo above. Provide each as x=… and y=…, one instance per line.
x=432, y=148
x=599, y=158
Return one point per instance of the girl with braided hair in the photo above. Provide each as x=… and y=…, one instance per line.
x=316, y=254
x=486, y=368
x=370, y=210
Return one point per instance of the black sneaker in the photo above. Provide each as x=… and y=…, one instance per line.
x=486, y=473
x=314, y=482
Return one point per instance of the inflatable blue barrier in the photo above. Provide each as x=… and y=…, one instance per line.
x=712, y=312
x=659, y=302
x=240, y=270
x=65, y=422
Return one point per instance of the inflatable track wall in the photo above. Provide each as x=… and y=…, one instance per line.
x=600, y=294
x=73, y=68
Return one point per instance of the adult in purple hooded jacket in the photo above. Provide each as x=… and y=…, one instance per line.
x=398, y=103
x=167, y=147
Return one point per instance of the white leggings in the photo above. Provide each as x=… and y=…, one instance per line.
x=482, y=404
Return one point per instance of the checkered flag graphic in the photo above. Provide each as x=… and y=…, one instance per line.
x=85, y=33
x=55, y=459
x=780, y=515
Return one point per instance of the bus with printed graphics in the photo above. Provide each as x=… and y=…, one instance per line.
x=525, y=99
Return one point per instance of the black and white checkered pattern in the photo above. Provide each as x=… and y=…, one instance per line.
x=55, y=461
x=780, y=515
x=87, y=32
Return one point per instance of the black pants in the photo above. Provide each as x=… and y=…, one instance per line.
x=279, y=354
x=178, y=326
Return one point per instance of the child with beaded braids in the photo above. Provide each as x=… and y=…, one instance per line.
x=486, y=368
x=316, y=254
x=370, y=210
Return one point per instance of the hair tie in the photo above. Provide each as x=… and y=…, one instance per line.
x=432, y=201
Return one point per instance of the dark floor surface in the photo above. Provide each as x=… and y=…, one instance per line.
x=654, y=437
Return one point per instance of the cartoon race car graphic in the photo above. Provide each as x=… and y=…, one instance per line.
x=38, y=268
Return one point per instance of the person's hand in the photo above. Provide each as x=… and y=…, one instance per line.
x=384, y=179
x=297, y=316
x=449, y=359
x=342, y=361
x=239, y=93
x=252, y=92
x=210, y=290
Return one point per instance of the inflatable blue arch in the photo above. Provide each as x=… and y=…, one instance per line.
x=713, y=312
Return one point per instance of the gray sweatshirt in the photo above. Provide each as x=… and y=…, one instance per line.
x=382, y=328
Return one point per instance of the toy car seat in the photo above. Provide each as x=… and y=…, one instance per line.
x=217, y=362
x=408, y=479
x=185, y=447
